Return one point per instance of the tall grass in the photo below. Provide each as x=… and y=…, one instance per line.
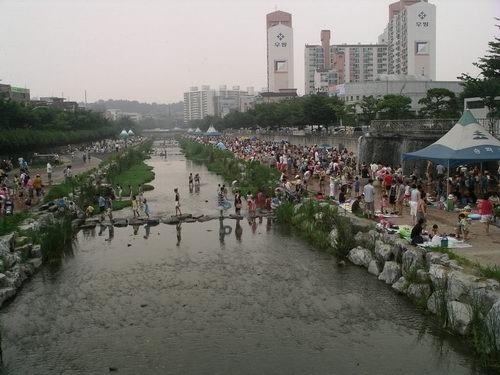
x=314, y=222
x=56, y=239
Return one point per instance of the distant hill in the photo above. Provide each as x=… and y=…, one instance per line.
x=153, y=115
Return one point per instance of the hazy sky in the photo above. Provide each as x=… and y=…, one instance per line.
x=154, y=50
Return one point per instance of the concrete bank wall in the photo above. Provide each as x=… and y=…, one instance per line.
x=384, y=148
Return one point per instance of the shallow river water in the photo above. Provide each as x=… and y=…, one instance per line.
x=214, y=298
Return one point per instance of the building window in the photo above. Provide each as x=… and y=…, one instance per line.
x=421, y=48
x=280, y=66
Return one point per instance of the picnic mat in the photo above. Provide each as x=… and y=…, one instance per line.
x=404, y=231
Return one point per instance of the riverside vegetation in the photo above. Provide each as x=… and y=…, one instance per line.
x=32, y=236
x=463, y=296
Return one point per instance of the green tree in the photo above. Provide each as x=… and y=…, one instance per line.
x=291, y=112
x=487, y=84
x=345, y=114
x=369, y=109
x=318, y=110
x=439, y=103
x=238, y=120
x=394, y=107
x=266, y=115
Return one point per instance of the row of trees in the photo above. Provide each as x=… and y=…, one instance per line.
x=331, y=111
x=25, y=128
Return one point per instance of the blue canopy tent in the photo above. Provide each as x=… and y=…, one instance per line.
x=465, y=142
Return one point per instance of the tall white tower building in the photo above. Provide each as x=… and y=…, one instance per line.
x=411, y=38
x=279, y=51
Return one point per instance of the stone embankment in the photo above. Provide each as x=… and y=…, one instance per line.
x=432, y=280
x=19, y=256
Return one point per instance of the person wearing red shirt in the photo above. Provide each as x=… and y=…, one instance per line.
x=486, y=212
x=388, y=181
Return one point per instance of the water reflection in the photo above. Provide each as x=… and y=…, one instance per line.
x=135, y=228
x=178, y=229
x=238, y=230
x=147, y=229
x=224, y=230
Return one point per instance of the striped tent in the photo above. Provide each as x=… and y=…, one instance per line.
x=466, y=142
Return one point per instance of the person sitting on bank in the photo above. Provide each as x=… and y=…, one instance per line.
x=416, y=233
x=356, y=206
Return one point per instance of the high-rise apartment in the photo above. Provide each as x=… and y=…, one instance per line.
x=329, y=65
x=198, y=103
x=407, y=47
x=279, y=51
x=211, y=102
x=411, y=38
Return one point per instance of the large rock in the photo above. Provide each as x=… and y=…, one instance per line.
x=419, y=292
x=360, y=225
x=9, y=260
x=360, y=256
x=24, y=250
x=413, y=259
x=361, y=238
x=391, y=272
x=373, y=268
x=22, y=240
x=485, y=298
x=434, y=257
x=36, y=251
x=460, y=316
x=399, y=247
x=460, y=285
x=383, y=252
x=15, y=277
x=401, y=285
x=35, y=262
x=437, y=302
x=7, y=243
x=45, y=219
x=438, y=275
x=423, y=276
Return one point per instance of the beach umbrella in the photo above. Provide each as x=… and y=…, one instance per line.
x=221, y=146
